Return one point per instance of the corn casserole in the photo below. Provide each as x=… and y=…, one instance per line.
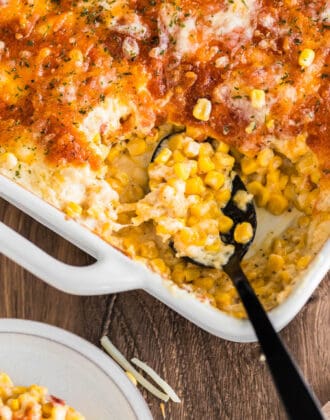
x=88, y=90
x=31, y=403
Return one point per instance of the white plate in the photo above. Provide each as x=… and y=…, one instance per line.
x=71, y=369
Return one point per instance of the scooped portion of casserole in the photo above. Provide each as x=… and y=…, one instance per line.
x=90, y=88
x=31, y=403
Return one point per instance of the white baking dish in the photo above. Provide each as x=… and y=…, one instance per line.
x=113, y=272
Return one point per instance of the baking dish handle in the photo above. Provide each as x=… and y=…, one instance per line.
x=106, y=275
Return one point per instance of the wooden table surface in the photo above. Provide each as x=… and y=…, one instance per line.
x=215, y=379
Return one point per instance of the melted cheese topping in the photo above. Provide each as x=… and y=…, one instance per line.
x=73, y=70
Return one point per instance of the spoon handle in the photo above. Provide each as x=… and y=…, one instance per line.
x=297, y=397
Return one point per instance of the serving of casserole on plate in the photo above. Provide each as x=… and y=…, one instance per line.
x=90, y=88
x=31, y=402
x=71, y=368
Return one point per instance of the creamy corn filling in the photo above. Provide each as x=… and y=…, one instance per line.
x=142, y=205
x=190, y=184
x=31, y=403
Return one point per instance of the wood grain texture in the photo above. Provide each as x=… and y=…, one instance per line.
x=216, y=379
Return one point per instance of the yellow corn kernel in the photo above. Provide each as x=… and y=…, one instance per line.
x=303, y=221
x=273, y=178
x=17, y=390
x=243, y=232
x=182, y=170
x=222, y=197
x=214, y=211
x=149, y=249
x=196, y=133
x=305, y=202
x=159, y=265
x=278, y=246
x=277, y=204
x=258, y=98
x=73, y=209
x=202, y=238
x=223, y=147
x=195, y=186
x=258, y=283
x=136, y=147
x=275, y=262
x=315, y=176
x=129, y=244
x=175, y=142
x=248, y=166
x=14, y=404
x=97, y=139
x=225, y=223
x=153, y=137
x=178, y=156
x=260, y=193
x=44, y=52
x=178, y=275
x=205, y=164
x=276, y=162
x=215, y=247
x=252, y=274
x=202, y=109
x=192, y=221
x=188, y=236
x=191, y=149
x=193, y=167
x=8, y=160
x=223, y=299
x=114, y=152
x=284, y=179
x=173, y=182
x=264, y=157
x=162, y=230
x=204, y=283
x=25, y=153
x=214, y=179
x=47, y=409
x=5, y=380
x=76, y=55
x=270, y=123
x=73, y=415
x=285, y=276
x=96, y=212
x=37, y=390
x=205, y=149
x=306, y=164
x=199, y=209
x=303, y=262
x=289, y=192
x=163, y=156
x=306, y=57
x=115, y=184
x=192, y=273
x=251, y=127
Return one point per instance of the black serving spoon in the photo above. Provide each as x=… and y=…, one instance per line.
x=296, y=395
